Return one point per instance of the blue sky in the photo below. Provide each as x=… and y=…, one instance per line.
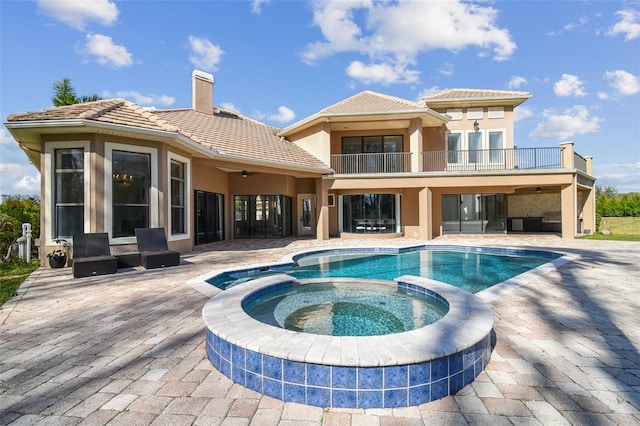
x=280, y=61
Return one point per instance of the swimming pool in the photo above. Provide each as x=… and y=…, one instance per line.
x=471, y=268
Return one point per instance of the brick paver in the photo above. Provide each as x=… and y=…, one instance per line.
x=128, y=349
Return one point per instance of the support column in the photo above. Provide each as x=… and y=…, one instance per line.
x=568, y=201
x=589, y=211
x=322, y=211
x=415, y=143
x=425, y=205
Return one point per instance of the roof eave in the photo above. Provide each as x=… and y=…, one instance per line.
x=356, y=116
x=477, y=101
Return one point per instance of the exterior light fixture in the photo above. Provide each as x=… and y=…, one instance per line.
x=245, y=173
x=476, y=126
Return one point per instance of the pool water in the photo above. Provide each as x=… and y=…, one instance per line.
x=350, y=308
x=473, y=271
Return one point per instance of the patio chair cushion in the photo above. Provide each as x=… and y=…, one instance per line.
x=153, y=248
x=92, y=256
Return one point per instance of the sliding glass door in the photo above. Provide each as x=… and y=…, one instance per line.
x=473, y=213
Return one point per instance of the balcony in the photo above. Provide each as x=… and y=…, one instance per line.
x=459, y=161
x=389, y=162
x=492, y=159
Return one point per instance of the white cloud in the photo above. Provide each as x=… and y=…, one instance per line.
x=623, y=82
x=229, y=106
x=629, y=24
x=140, y=99
x=603, y=95
x=19, y=179
x=6, y=138
x=79, y=13
x=392, y=34
x=284, y=115
x=107, y=53
x=573, y=25
x=256, y=6
x=569, y=85
x=382, y=73
x=571, y=122
x=625, y=177
x=521, y=113
x=516, y=81
x=447, y=69
x=205, y=55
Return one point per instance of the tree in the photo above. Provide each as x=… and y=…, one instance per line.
x=14, y=211
x=65, y=94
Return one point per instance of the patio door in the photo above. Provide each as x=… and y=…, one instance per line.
x=209, y=217
x=306, y=214
x=473, y=213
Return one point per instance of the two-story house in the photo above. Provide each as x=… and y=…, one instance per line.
x=371, y=165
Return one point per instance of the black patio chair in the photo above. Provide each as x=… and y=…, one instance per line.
x=91, y=255
x=154, y=252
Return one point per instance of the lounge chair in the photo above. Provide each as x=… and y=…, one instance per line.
x=154, y=252
x=91, y=255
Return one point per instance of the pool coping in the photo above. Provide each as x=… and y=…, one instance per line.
x=468, y=321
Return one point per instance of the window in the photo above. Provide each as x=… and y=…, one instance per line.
x=495, y=112
x=369, y=213
x=454, y=146
x=391, y=144
x=455, y=114
x=474, y=114
x=131, y=194
x=179, y=214
x=496, y=146
x=67, y=196
x=69, y=192
x=262, y=216
x=475, y=147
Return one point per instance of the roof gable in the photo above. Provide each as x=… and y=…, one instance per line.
x=370, y=102
x=460, y=97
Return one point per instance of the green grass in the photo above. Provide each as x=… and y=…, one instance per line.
x=12, y=275
x=622, y=229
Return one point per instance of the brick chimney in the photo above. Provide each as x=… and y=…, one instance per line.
x=202, y=91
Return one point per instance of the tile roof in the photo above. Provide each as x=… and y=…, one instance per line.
x=229, y=132
x=235, y=134
x=455, y=94
x=369, y=101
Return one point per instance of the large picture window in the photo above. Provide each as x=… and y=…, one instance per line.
x=131, y=187
x=370, y=213
x=68, y=191
x=131, y=190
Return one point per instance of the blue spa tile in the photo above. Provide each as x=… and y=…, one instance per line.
x=419, y=374
x=319, y=397
x=318, y=375
x=215, y=360
x=225, y=350
x=295, y=393
x=468, y=357
x=225, y=367
x=419, y=395
x=215, y=343
x=272, y=367
x=237, y=356
x=273, y=388
x=439, y=389
x=396, y=398
x=370, y=378
x=238, y=375
x=455, y=363
x=439, y=369
x=294, y=372
x=254, y=382
x=343, y=377
x=370, y=399
x=254, y=362
x=468, y=375
x=396, y=377
x=456, y=383
x=344, y=398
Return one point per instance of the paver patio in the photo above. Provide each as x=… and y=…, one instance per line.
x=128, y=349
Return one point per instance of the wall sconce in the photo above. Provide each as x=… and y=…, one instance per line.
x=122, y=179
x=476, y=126
x=538, y=189
x=244, y=173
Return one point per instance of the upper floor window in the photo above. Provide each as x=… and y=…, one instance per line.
x=68, y=192
x=495, y=112
x=371, y=144
x=455, y=113
x=474, y=113
x=484, y=146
